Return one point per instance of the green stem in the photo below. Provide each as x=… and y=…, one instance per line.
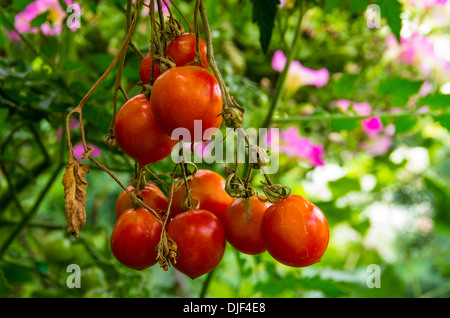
x=206, y=284
x=279, y=88
x=333, y=117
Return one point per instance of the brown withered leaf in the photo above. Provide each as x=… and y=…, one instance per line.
x=166, y=251
x=75, y=186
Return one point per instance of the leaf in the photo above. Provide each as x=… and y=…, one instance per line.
x=391, y=10
x=435, y=101
x=39, y=20
x=264, y=13
x=75, y=195
x=398, y=89
x=346, y=86
x=331, y=4
x=444, y=120
x=343, y=186
x=404, y=124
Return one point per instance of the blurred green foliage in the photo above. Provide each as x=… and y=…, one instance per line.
x=391, y=209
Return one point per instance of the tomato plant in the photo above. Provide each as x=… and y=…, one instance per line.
x=244, y=234
x=182, y=50
x=187, y=97
x=150, y=194
x=208, y=187
x=134, y=238
x=295, y=231
x=138, y=134
x=200, y=241
x=145, y=70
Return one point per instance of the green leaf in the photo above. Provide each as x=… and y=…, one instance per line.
x=264, y=13
x=39, y=20
x=343, y=186
x=435, y=101
x=391, y=10
x=444, y=120
x=398, y=89
x=404, y=124
x=357, y=6
x=331, y=4
x=346, y=86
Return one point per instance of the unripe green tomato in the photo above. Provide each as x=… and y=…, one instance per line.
x=92, y=277
x=57, y=248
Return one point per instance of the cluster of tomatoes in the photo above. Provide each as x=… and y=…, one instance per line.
x=293, y=231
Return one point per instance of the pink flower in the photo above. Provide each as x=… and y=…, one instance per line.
x=146, y=10
x=297, y=147
x=418, y=51
x=55, y=18
x=372, y=126
x=298, y=75
x=378, y=145
x=427, y=4
x=78, y=150
x=361, y=109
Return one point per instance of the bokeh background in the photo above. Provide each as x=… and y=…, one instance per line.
x=363, y=122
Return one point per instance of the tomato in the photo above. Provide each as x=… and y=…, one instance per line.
x=145, y=69
x=200, y=240
x=183, y=50
x=295, y=232
x=186, y=94
x=243, y=234
x=150, y=194
x=57, y=248
x=138, y=134
x=208, y=187
x=135, y=237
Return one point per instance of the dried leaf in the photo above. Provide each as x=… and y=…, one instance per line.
x=166, y=251
x=75, y=186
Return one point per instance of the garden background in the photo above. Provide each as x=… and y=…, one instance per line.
x=363, y=118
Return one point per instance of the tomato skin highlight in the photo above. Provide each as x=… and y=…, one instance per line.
x=185, y=97
x=295, y=232
x=207, y=186
x=138, y=134
x=243, y=234
x=182, y=50
x=150, y=194
x=135, y=237
x=200, y=240
x=145, y=70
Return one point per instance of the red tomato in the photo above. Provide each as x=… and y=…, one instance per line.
x=135, y=237
x=182, y=50
x=145, y=69
x=242, y=234
x=200, y=240
x=150, y=194
x=138, y=134
x=295, y=232
x=208, y=187
x=186, y=94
